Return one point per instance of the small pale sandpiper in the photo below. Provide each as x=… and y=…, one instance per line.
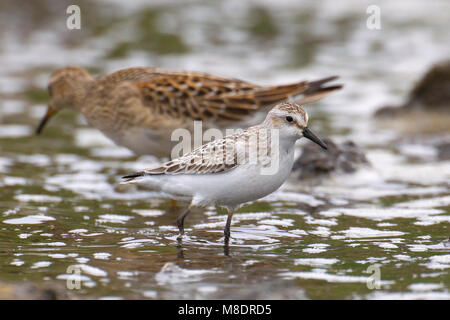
x=223, y=172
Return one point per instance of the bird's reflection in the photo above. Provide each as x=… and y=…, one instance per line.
x=180, y=254
x=226, y=247
x=181, y=249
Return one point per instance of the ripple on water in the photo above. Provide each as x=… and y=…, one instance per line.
x=316, y=262
x=383, y=295
x=272, y=240
x=39, y=160
x=316, y=248
x=14, y=131
x=41, y=264
x=321, y=274
x=113, y=218
x=148, y=212
x=15, y=181
x=172, y=274
x=32, y=219
x=439, y=262
x=5, y=163
x=37, y=198
x=379, y=214
x=112, y=152
x=360, y=233
x=425, y=203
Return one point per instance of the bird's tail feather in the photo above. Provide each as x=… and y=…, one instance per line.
x=133, y=177
x=310, y=90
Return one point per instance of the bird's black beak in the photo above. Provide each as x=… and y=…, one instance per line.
x=50, y=113
x=308, y=134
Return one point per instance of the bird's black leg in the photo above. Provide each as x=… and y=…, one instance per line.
x=226, y=231
x=180, y=220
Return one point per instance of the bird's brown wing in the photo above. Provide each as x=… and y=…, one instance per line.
x=200, y=96
x=214, y=157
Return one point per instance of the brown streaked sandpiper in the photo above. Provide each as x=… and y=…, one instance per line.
x=139, y=108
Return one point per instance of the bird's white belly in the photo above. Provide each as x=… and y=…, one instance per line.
x=242, y=184
x=143, y=141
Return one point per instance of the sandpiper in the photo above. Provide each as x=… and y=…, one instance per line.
x=139, y=108
x=223, y=172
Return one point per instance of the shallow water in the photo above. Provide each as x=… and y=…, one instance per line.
x=61, y=210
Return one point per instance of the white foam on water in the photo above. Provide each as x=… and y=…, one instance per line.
x=322, y=222
x=171, y=273
x=5, y=163
x=74, y=278
x=17, y=262
x=50, y=244
x=430, y=220
x=136, y=243
x=39, y=160
x=380, y=214
x=418, y=150
x=88, y=137
x=316, y=262
x=151, y=294
x=424, y=173
x=89, y=184
x=57, y=255
x=14, y=131
x=439, y=262
x=359, y=233
x=403, y=257
x=421, y=287
x=148, y=212
x=66, y=159
x=40, y=264
x=113, y=218
x=33, y=219
x=316, y=248
x=320, y=274
x=383, y=295
x=91, y=270
x=321, y=232
x=277, y=222
x=293, y=197
x=245, y=216
x=37, y=198
x=386, y=245
x=78, y=231
x=102, y=255
x=24, y=235
x=9, y=107
x=15, y=181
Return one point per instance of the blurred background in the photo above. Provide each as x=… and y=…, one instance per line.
x=381, y=197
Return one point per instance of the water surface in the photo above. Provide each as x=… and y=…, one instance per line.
x=60, y=206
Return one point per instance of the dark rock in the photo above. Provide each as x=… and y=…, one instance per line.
x=444, y=151
x=314, y=161
x=30, y=291
x=390, y=111
x=432, y=92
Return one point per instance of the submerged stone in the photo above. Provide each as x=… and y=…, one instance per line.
x=443, y=151
x=315, y=162
x=432, y=92
x=31, y=291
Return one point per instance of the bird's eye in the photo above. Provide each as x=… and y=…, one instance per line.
x=289, y=119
